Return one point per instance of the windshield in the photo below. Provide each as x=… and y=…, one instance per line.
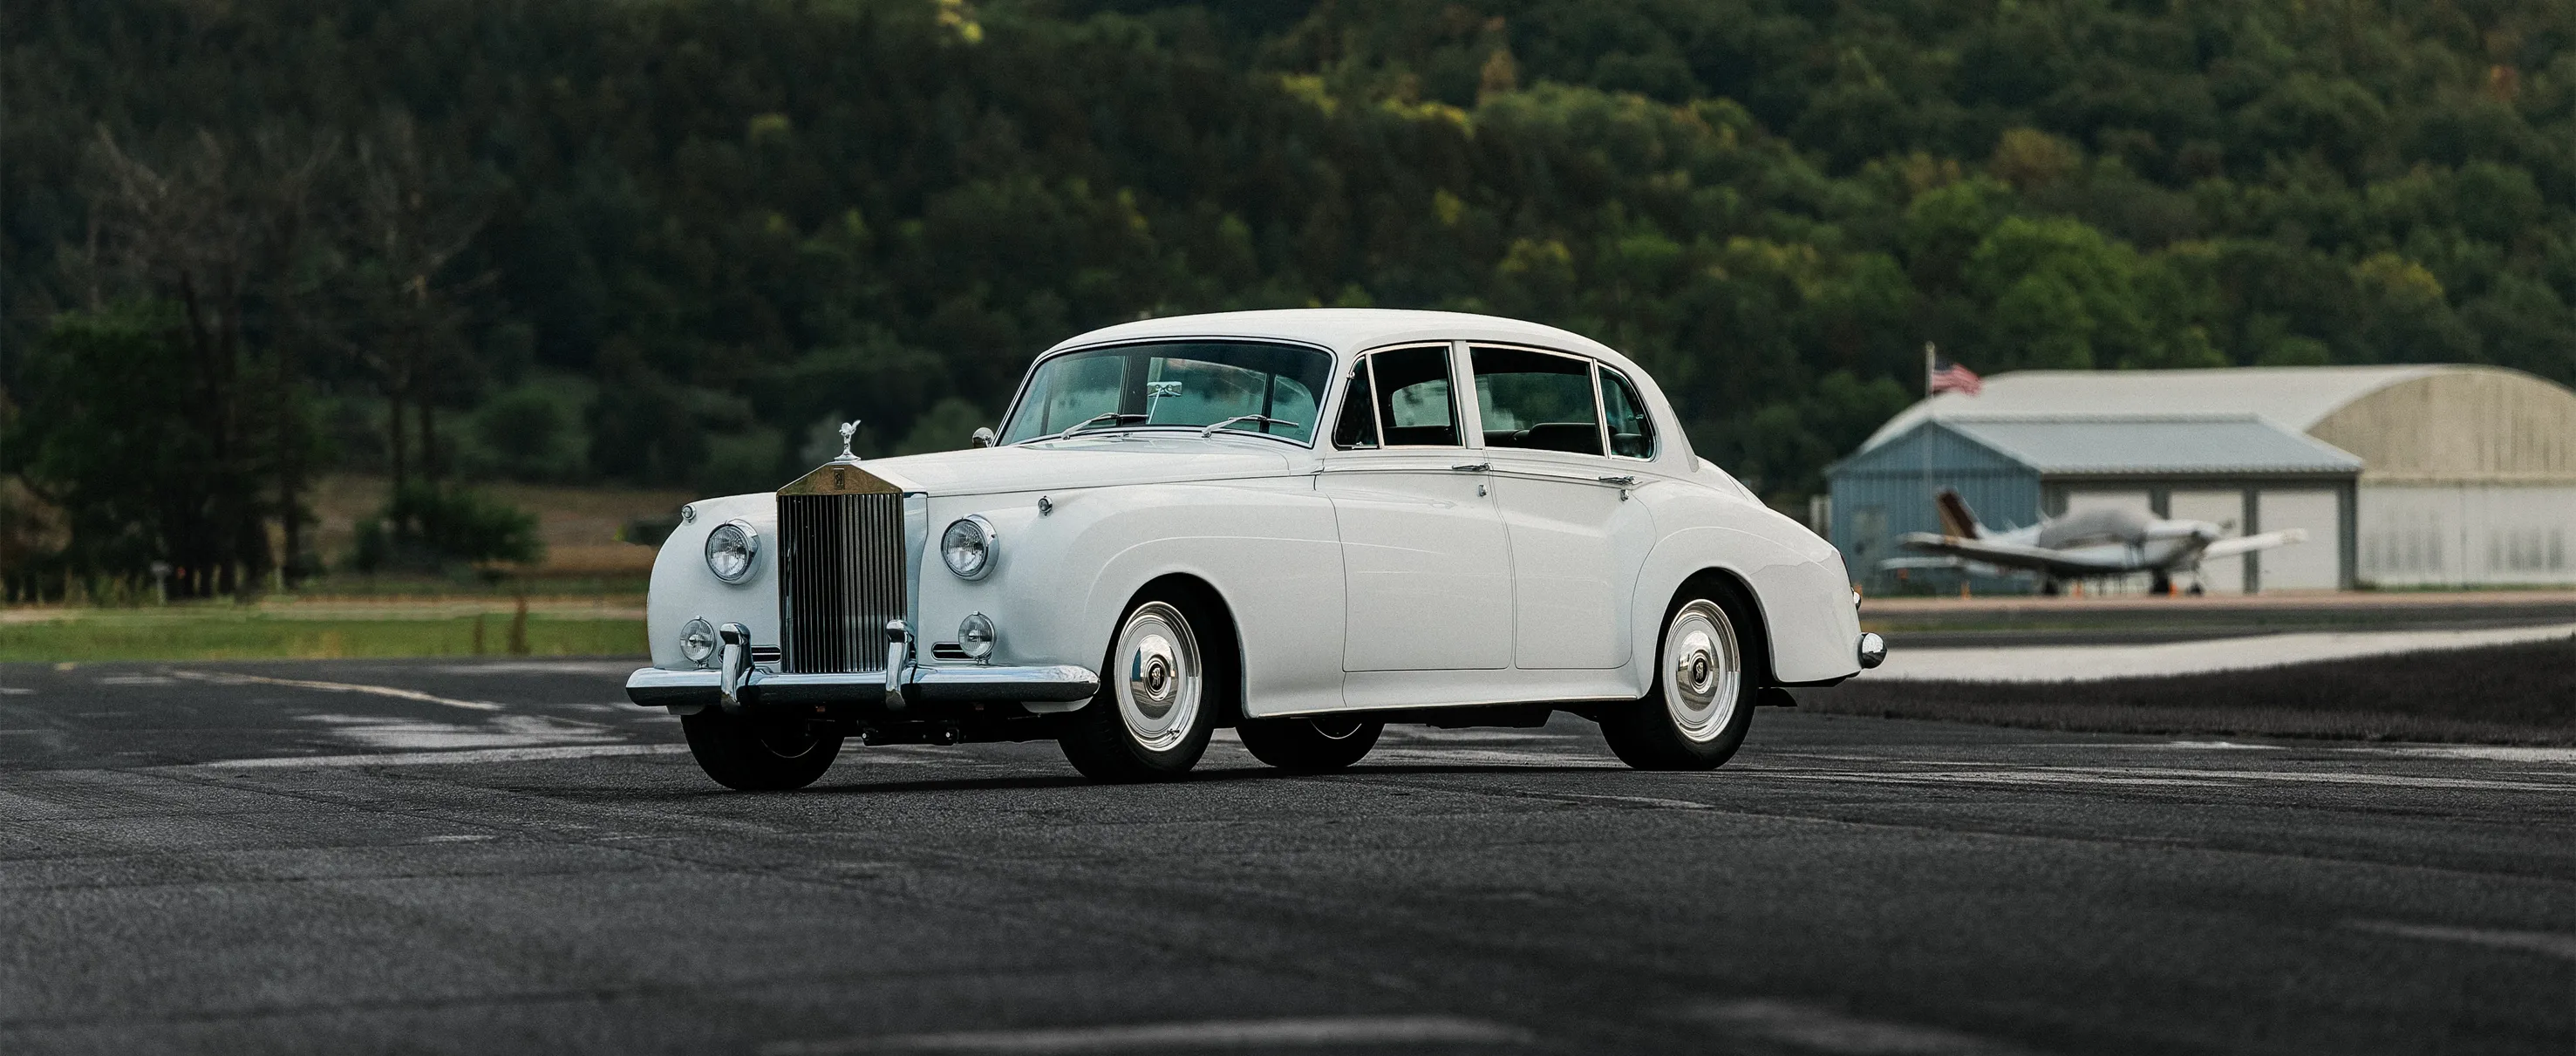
x=1178, y=383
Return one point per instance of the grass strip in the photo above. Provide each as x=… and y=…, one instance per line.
x=257, y=636
x=2507, y=694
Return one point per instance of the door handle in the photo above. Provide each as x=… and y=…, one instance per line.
x=1473, y=467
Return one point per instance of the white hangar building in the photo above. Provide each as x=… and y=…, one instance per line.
x=2402, y=476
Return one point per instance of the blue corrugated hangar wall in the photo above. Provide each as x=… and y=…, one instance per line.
x=1887, y=491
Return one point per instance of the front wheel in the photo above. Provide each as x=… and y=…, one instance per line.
x=758, y=755
x=1309, y=745
x=1695, y=715
x=1152, y=719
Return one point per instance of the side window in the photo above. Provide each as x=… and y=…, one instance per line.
x=1632, y=431
x=1536, y=400
x=1413, y=397
x=1357, y=429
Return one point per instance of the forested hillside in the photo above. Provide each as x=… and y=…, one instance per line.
x=667, y=242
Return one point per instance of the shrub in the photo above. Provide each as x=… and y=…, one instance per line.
x=426, y=527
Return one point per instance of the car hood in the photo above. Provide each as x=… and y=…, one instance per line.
x=1082, y=463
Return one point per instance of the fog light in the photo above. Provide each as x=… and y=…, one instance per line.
x=1873, y=650
x=698, y=641
x=975, y=635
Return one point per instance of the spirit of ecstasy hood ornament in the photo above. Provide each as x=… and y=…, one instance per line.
x=848, y=429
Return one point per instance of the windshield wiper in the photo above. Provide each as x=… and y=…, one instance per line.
x=1261, y=418
x=1111, y=418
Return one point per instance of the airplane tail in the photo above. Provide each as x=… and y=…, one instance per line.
x=1956, y=518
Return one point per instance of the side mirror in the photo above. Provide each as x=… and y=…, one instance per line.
x=983, y=436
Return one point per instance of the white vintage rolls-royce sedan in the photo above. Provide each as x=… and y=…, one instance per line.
x=1299, y=524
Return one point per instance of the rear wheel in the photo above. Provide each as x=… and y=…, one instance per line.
x=758, y=755
x=1154, y=713
x=1309, y=744
x=1696, y=713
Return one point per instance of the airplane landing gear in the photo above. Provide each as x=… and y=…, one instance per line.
x=2160, y=584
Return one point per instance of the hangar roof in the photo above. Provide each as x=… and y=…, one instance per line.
x=2156, y=446
x=2294, y=397
x=2448, y=424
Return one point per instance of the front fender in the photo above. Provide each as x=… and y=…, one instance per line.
x=682, y=587
x=1796, y=580
x=1269, y=549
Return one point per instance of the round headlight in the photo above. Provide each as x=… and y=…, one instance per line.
x=968, y=546
x=975, y=635
x=698, y=641
x=731, y=550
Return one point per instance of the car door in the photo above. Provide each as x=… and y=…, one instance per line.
x=1576, y=539
x=1426, y=562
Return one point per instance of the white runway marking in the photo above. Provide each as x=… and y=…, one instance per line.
x=2553, y=944
x=1206, y=1034
x=1983, y=777
x=14, y=691
x=620, y=668
x=233, y=679
x=501, y=731
x=2211, y=746
x=2489, y=753
x=2149, y=776
x=2087, y=663
x=1487, y=757
x=1679, y=804
x=472, y=756
x=1811, y=1027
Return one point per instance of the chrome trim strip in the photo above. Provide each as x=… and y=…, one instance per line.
x=1058, y=682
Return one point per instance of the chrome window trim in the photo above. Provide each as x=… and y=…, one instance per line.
x=1602, y=373
x=1600, y=419
x=1368, y=361
x=1314, y=435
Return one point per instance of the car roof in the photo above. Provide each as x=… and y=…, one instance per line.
x=1352, y=330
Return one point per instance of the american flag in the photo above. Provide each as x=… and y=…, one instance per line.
x=1946, y=376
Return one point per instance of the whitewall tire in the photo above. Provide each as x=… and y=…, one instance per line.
x=1695, y=715
x=1156, y=706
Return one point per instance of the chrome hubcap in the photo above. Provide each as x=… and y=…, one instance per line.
x=1159, y=696
x=1704, y=672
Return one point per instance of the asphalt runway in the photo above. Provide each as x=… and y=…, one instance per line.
x=486, y=857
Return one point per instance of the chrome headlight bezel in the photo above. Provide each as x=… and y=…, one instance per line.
x=970, y=547
x=698, y=641
x=733, y=551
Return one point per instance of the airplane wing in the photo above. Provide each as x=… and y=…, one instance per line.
x=2249, y=544
x=1979, y=567
x=2010, y=555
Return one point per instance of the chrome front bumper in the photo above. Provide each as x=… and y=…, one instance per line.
x=656, y=687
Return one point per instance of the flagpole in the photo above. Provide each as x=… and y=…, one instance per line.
x=1928, y=360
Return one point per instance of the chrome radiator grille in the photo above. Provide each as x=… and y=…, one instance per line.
x=840, y=578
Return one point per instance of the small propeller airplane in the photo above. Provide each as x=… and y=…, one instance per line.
x=2090, y=544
